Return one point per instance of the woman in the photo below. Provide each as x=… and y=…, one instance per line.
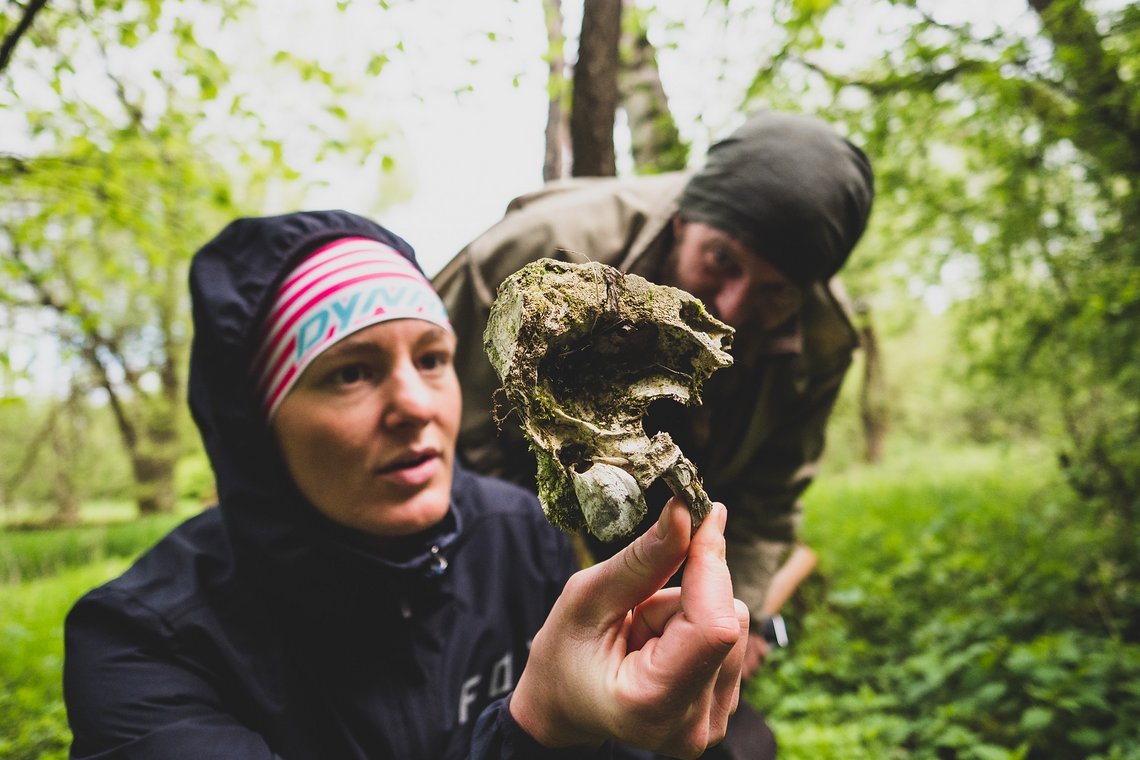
x=358, y=595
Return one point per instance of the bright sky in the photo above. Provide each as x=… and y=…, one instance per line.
x=465, y=90
x=468, y=92
x=472, y=107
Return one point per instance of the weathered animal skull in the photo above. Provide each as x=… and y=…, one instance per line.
x=582, y=350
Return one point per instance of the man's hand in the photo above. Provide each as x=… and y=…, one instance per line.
x=621, y=658
x=755, y=653
x=796, y=568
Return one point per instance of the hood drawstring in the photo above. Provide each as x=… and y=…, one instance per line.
x=438, y=564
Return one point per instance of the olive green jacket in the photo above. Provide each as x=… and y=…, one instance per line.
x=758, y=436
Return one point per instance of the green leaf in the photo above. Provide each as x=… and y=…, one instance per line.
x=1036, y=719
x=376, y=64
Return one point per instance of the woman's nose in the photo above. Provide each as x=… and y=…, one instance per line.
x=408, y=398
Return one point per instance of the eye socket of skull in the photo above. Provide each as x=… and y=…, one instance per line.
x=574, y=456
x=588, y=374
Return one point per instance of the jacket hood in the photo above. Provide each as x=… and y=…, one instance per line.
x=233, y=281
x=790, y=188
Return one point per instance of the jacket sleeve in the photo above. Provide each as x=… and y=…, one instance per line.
x=498, y=737
x=127, y=695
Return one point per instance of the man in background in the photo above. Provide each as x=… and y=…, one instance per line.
x=757, y=234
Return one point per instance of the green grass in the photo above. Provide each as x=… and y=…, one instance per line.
x=95, y=511
x=962, y=609
x=42, y=573
x=27, y=554
x=33, y=723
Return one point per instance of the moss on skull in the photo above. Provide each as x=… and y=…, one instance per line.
x=582, y=350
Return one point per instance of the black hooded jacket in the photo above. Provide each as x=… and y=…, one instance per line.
x=259, y=629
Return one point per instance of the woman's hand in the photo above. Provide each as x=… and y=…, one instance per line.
x=621, y=658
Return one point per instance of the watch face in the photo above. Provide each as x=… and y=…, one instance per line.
x=774, y=631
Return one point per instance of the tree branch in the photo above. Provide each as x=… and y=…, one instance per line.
x=13, y=37
x=1094, y=70
x=89, y=342
x=926, y=81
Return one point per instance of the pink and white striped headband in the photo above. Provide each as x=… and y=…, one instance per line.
x=341, y=288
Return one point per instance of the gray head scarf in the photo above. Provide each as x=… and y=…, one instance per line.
x=788, y=187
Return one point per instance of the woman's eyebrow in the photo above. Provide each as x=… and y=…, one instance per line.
x=435, y=335
x=348, y=347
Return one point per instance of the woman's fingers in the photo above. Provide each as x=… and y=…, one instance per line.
x=613, y=587
x=650, y=617
x=694, y=643
x=665, y=676
x=726, y=691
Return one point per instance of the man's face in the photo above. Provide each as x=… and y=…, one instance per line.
x=735, y=283
x=369, y=430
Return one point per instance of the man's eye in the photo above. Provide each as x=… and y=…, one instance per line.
x=721, y=259
x=778, y=289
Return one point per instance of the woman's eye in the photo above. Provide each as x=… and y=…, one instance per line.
x=433, y=361
x=351, y=374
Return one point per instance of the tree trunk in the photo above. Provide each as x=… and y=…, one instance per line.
x=36, y=442
x=874, y=410
x=154, y=483
x=596, y=90
x=656, y=141
x=155, y=459
x=8, y=46
x=64, y=440
x=556, y=137
x=62, y=432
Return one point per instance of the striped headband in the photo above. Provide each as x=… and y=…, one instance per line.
x=341, y=288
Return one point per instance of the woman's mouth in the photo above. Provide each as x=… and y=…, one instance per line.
x=411, y=470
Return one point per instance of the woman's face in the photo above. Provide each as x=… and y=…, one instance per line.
x=369, y=430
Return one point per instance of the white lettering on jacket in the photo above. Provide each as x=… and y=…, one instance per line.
x=500, y=680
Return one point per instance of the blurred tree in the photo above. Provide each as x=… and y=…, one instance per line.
x=61, y=430
x=874, y=405
x=616, y=68
x=654, y=138
x=98, y=223
x=117, y=179
x=1006, y=159
x=596, y=90
x=557, y=138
